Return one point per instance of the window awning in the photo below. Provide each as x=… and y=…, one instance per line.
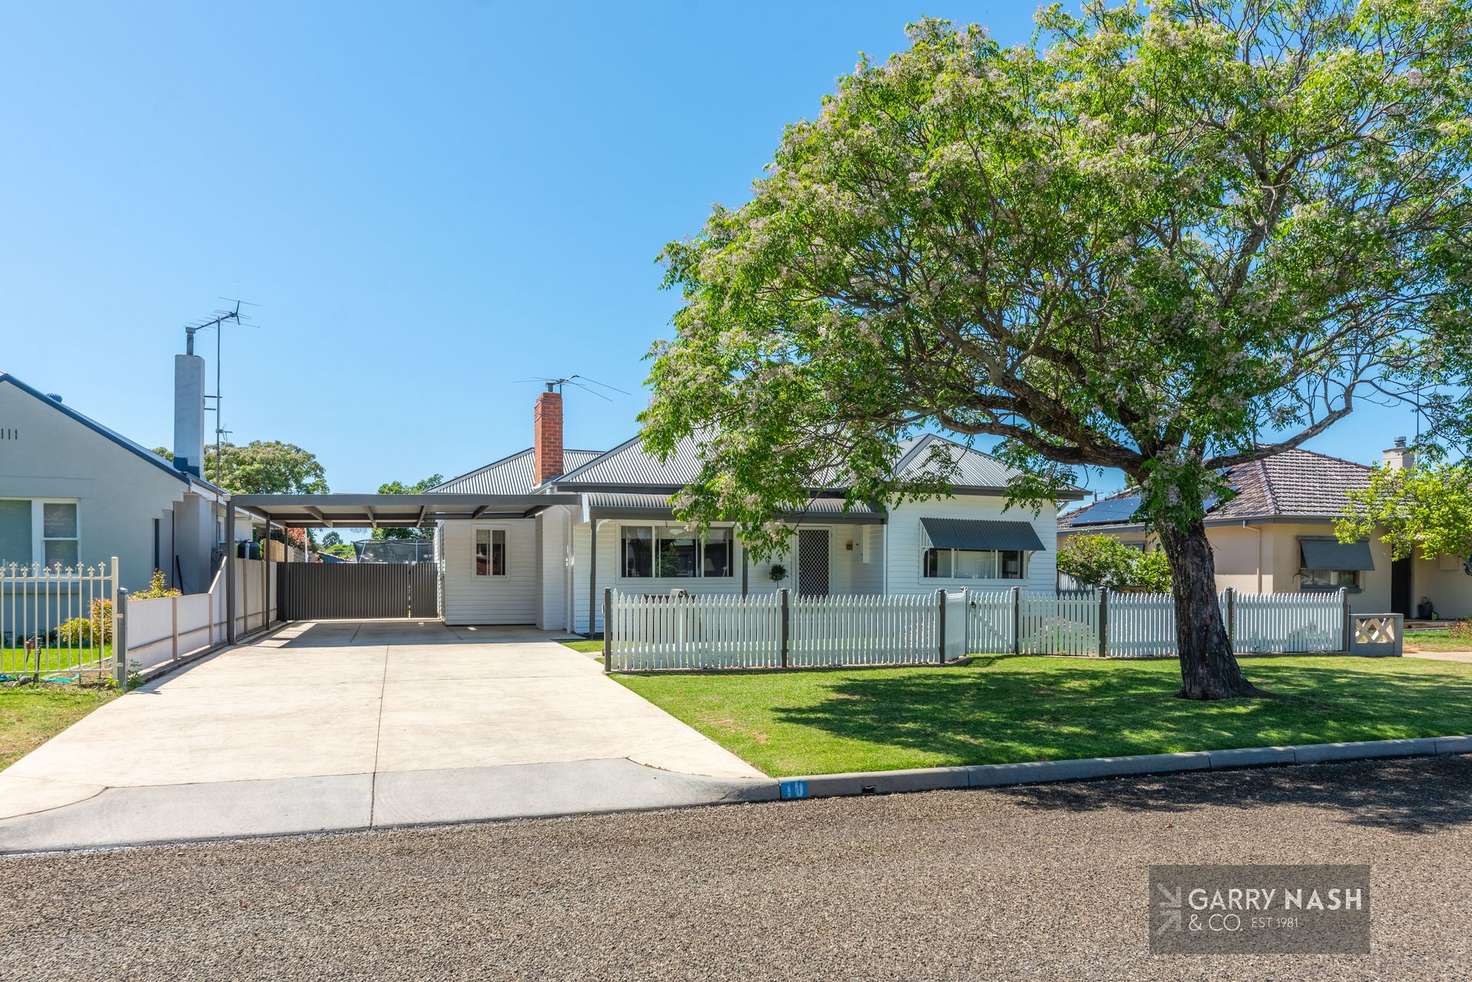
x=1332, y=555
x=981, y=533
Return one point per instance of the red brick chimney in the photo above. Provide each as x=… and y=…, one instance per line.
x=547, y=437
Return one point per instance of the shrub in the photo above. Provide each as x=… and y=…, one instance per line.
x=156, y=588
x=76, y=632
x=1103, y=561
x=102, y=621
x=1462, y=630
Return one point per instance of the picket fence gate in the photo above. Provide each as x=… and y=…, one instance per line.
x=678, y=631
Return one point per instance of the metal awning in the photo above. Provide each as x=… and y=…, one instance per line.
x=981, y=533
x=392, y=510
x=1333, y=555
x=635, y=505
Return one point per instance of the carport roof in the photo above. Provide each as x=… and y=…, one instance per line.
x=392, y=510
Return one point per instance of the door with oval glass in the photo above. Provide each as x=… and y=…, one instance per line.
x=812, y=562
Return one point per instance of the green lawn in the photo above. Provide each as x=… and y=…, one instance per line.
x=1002, y=709
x=17, y=660
x=1436, y=639
x=30, y=715
x=594, y=648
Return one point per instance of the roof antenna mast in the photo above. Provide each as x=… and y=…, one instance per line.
x=221, y=317
x=556, y=384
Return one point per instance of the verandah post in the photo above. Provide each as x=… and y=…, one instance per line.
x=607, y=629
x=786, y=624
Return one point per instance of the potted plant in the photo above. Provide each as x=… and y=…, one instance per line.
x=777, y=572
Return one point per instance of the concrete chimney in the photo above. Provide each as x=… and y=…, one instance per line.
x=189, y=414
x=547, y=436
x=1399, y=457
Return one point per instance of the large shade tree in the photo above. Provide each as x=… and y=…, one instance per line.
x=399, y=487
x=1165, y=240
x=265, y=467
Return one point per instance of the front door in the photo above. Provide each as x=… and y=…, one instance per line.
x=812, y=562
x=1400, y=587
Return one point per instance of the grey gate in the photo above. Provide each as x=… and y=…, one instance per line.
x=324, y=591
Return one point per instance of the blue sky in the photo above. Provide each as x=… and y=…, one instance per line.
x=428, y=201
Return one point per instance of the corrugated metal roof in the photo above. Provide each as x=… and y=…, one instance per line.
x=629, y=464
x=509, y=475
x=929, y=455
x=627, y=503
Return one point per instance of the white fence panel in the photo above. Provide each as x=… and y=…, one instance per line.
x=649, y=633
x=864, y=630
x=990, y=620
x=1275, y=623
x=1141, y=625
x=653, y=632
x=163, y=629
x=1058, y=625
x=35, y=601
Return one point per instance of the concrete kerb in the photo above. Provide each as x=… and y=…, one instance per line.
x=1044, y=771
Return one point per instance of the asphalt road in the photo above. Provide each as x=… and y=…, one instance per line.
x=1020, y=883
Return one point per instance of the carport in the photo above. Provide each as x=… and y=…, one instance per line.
x=368, y=511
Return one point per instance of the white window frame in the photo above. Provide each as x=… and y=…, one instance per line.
x=996, y=565
x=654, y=529
x=38, y=525
x=1306, y=584
x=491, y=555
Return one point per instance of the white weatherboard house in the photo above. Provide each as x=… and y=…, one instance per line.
x=74, y=491
x=612, y=526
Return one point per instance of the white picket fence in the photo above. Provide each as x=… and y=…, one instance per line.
x=863, y=630
x=683, y=632
x=1143, y=625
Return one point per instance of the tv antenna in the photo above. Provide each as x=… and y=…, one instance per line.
x=221, y=316
x=577, y=381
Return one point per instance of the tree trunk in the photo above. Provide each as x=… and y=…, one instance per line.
x=1209, y=669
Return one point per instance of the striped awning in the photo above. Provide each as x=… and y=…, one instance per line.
x=981, y=533
x=1333, y=555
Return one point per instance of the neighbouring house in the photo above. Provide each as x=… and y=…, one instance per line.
x=613, y=526
x=74, y=491
x=1277, y=536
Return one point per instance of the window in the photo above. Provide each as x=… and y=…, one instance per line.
x=38, y=531
x=715, y=556
x=677, y=552
x=975, y=564
x=674, y=552
x=490, y=552
x=638, y=551
x=15, y=531
x=1329, y=579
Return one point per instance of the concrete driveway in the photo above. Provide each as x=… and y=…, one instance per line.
x=340, y=725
